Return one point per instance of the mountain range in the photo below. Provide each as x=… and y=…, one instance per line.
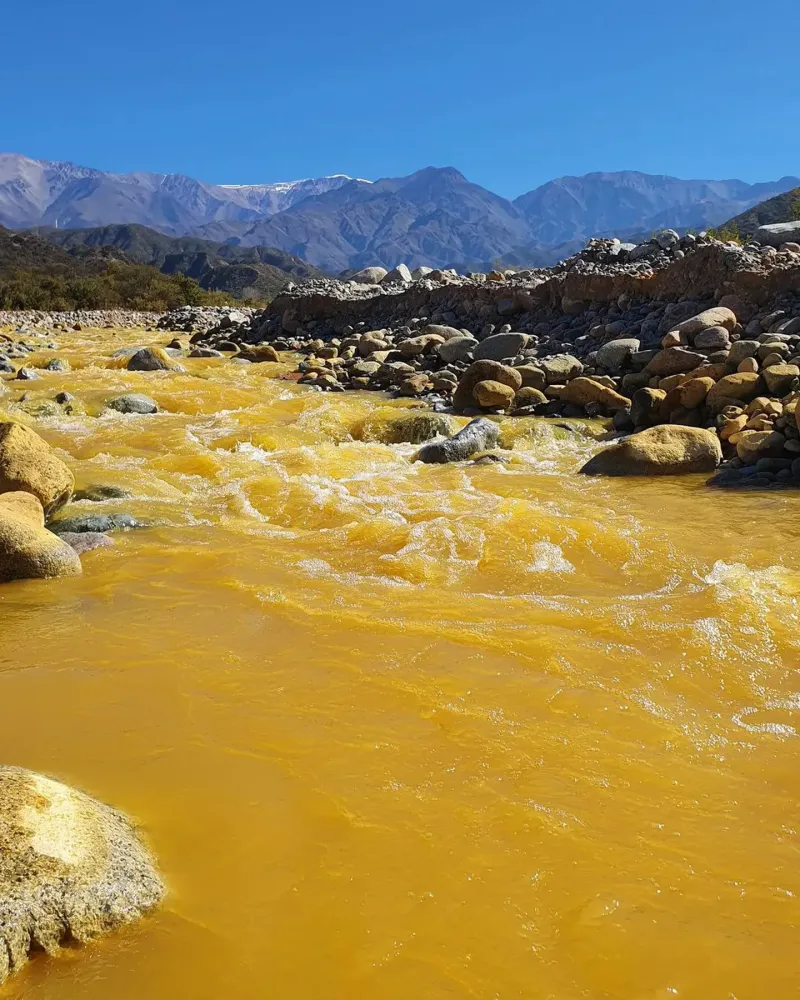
x=434, y=216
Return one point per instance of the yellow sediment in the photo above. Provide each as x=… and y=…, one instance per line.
x=399, y=731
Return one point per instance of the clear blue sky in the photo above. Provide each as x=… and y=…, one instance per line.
x=512, y=93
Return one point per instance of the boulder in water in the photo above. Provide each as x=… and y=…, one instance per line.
x=95, y=523
x=479, y=435
x=133, y=402
x=665, y=450
x=153, y=359
x=28, y=463
x=27, y=550
x=71, y=868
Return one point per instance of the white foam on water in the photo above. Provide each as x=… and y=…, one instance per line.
x=549, y=558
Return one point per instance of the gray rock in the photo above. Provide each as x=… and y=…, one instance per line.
x=457, y=349
x=97, y=494
x=205, y=352
x=57, y=365
x=500, y=346
x=420, y=272
x=777, y=233
x=741, y=349
x=560, y=369
x=133, y=402
x=99, y=523
x=399, y=274
x=667, y=238
x=715, y=338
x=478, y=435
x=370, y=275
x=615, y=353
x=27, y=375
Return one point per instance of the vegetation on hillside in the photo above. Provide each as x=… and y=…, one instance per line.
x=783, y=208
x=246, y=273
x=124, y=286
x=37, y=275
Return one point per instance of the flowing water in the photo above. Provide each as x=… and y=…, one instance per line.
x=398, y=731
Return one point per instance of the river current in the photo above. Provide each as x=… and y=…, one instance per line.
x=491, y=731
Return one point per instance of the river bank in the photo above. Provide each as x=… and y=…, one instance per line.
x=510, y=724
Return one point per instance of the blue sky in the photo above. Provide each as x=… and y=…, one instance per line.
x=511, y=93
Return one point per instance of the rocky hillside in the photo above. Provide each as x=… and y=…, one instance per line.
x=782, y=208
x=242, y=272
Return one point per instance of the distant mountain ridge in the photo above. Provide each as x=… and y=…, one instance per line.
x=66, y=196
x=434, y=216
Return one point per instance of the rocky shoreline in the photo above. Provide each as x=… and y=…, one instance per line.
x=679, y=331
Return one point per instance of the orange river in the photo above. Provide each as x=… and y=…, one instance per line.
x=399, y=731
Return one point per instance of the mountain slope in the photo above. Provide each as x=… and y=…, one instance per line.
x=435, y=217
x=252, y=272
x=575, y=208
x=43, y=193
x=783, y=208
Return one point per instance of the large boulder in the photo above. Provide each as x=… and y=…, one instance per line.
x=616, y=353
x=743, y=386
x=777, y=233
x=411, y=427
x=501, y=346
x=370, y=275
x=581, y=391
x=71, y=868
x=419, y=345
x=647, y=406
x=27, y=550
x=674, y=361
x=493, y=395
x=483, y=371
x=153, y=359
x=781, y=379
x=28, y=463
x=259, y=354
x=666, y=450
x=456, y=349
x=478, y=435
x=133, y=402
x=400, y=274
x=718, y=316
x=753, y=445
x=560, y=368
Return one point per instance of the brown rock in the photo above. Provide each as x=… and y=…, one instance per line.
x=669, y=449
x=752, y=445
x=27, y=550
x=781, y=379
x=414, y=385
x=419, y=345
x=527, y=396
x=741, y=385
x=581, y=391
x=483, y=371
x=490, y=395
x=693, y=393
x=257, y=355
x=532, y=376
x=28, y=463
x=674, y=361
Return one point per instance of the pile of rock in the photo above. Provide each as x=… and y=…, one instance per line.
x=191, y=319
x=89, y=319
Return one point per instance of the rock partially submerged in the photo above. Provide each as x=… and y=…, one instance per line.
x=479, y=435
x=665, y=450
x=151, y=359
x=99, y=523
x=28, y=463
x=71, y=868
x=133, y=402
x=27, y=550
